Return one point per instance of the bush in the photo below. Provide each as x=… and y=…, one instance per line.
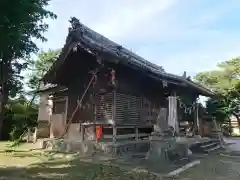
x=17, y=118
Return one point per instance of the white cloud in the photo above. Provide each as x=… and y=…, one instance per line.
x=126, y=18
x=176, y=34
x=200, y=54
x=115, y=19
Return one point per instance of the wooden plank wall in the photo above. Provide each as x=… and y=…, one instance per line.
x=104, y=107
x=134, y=105
x=128, y=109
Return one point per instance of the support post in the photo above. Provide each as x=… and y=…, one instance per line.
x=82, y=132
x=136, y=132
x=114, y=133
x=162, y=121
x=172, y=113
x=114, y=117
x=196, y=119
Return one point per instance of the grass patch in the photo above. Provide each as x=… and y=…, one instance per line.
x=23, y=164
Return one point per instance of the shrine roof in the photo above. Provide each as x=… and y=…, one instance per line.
x=84, y=37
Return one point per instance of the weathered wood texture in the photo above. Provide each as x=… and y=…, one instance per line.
x=138, y=97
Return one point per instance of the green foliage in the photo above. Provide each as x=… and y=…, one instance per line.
x=226, y=83
x=19, y=116
x=215, y=108
x=21, y=21
x=21, y=112
x=21, y=24
x=227, y=76
x=40, y=67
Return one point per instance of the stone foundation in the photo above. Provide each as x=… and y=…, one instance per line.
x=90, y=147
x=74, y=132
x=57, y=125
x=63, y=145
x=124, y=148
x=43, y=129
x=166, y=149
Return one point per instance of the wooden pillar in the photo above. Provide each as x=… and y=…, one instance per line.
x=136, y=132
x=82, y=132
x=196, y=119
x=114, y=133
x=200, y=126
x=114, y=117
x=162, y=121
x=172, y=113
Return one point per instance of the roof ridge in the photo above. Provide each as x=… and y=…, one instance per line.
x=92, y=41
x=78, y=26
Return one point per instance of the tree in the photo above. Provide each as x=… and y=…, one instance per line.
x=40, y=67
x=226, y=83
x=20, y=23
x=23, y=116
x=226, y=78
x=21, y=113
x=19, y=116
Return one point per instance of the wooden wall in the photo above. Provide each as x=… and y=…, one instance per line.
x=137, y=100
x=97, y=103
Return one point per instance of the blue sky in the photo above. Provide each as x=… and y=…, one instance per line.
x=180, y=35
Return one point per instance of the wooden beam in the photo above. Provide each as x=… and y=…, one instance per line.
x=126, y=136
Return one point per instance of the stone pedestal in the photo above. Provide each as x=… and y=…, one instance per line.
x=162, y=122
x=165, y=149
x=43, y=130
x=158, y=149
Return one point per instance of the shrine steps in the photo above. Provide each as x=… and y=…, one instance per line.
x=205, y=147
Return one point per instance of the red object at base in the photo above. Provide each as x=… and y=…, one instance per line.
x=99, y=132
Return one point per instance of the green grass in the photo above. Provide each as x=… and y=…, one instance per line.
x=23, y=164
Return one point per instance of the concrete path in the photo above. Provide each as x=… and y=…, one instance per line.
x=234, y=143
x=216, y=166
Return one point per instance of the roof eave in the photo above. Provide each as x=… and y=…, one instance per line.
x=204, y=91
x=69, y=45
x=89, y=39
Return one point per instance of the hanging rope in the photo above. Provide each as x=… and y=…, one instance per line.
x=188, y=109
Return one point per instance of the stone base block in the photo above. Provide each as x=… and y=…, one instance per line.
x=63, y=145
x=43, y=129
x=124, y=148
x=91, y=147
x=166, y=150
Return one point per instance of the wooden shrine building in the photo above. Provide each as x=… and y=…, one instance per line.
x=98, y=83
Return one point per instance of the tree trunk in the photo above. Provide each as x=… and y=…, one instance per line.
x=3, y=103
x=4, y=92
x=1, y=97
x=1, y=118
